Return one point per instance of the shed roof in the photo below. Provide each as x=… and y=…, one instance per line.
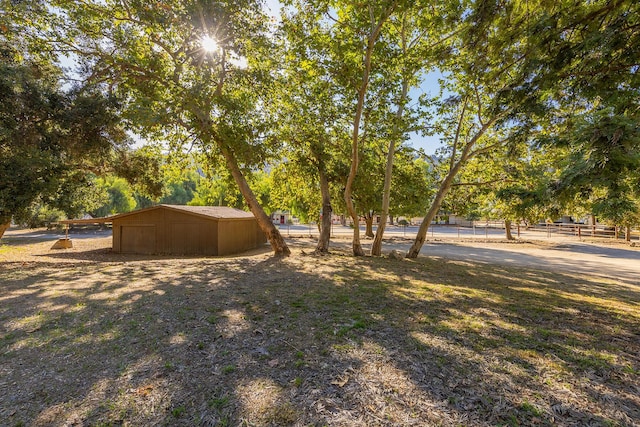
x=219, y=212
x=216, y=212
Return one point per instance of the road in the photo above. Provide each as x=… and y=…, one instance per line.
x=43, y=234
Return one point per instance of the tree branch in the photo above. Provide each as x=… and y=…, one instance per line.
x=484, y=182
x=457, y=137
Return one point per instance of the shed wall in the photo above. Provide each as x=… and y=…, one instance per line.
x=138, y=238
x=165, y=231
x=239, y=235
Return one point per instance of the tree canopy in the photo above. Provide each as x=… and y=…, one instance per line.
x=538, y=99
x=51, y=139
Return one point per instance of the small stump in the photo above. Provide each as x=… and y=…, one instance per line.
x=62, y=244
x=396, y=255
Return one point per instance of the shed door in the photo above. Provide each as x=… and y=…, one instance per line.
x=191, y=239
x=138, y=239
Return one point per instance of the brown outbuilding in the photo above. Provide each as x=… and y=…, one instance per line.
x=186, y=230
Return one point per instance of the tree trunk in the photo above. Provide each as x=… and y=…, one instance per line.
x=327, y=211
x=355, y=137
x=278, y=244
x=627, y=233
x=414, y=250
x=507, y=229
x=368, y=219
x=454, y=168
x=390, y=219
x=355, y=159
x=433, y=211
x=4, y=227
x=376, y=246
x=348, y=200
x=351, y=210
x=437, y=202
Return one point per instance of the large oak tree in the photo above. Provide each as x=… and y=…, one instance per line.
x=196, y=73
x=51, y=139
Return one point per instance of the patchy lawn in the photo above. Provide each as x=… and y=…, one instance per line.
x=93, y=338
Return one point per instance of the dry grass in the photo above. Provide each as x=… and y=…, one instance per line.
x=93, y=338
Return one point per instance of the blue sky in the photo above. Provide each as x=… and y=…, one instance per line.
x=431, y=87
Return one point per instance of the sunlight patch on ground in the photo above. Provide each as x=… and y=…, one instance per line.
x=312, y=340
x=388, y=393
x=178, y=339
x=263, y=403
x=232, y=322
x=443, y=345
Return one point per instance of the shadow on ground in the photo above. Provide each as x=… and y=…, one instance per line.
x=309, y=340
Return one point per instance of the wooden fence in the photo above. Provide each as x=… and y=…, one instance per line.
x=587, y=231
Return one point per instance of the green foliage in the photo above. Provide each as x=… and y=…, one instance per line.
x=42, y=216
x=511, y=185
x=178, y=193
x=603, y=165
x=78, y=194
x=322, y=95
x=142, y=169
x=120, y=194
x=178, y=92
x=180, y=186
x=50, y=139
x=216, y=191
x=294, y=191
x=598, y=110
x=178, y=411
x=409, y=185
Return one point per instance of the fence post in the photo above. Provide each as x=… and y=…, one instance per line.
x=579, y=232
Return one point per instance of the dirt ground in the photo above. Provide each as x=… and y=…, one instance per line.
x=92, y=338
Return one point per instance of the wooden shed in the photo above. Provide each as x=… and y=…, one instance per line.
x=186, y=230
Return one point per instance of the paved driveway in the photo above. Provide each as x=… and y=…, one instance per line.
x=574, y=257
x=615, y=261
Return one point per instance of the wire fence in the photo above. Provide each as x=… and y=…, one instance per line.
x=478, y=230
x=579, y=231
